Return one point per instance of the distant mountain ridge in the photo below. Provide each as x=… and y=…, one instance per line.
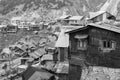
x=74, y=6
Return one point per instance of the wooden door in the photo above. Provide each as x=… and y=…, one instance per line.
x=75, y=72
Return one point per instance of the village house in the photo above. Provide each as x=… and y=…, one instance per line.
x=95, y=45
x=72, y=20
x=2, y=27
x=76, y=20
x=100, y=16
x=18, y=21
x=63, y=19
x=8, y=29
x=15, y=20
x=11, y=29
x=62, y=45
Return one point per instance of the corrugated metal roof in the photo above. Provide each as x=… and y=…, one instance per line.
x=16, y=18
x=102, y=26
x=62, y=67
x=37, y=53
x=76, y=18
x=40, y=76
x=70, y=28
x=94, y=14
x=107, y=27
x=63, y=39
x=64, y=16
x=30, y=74
x=47, y=57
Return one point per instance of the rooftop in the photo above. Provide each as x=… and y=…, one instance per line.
x=64, y=38
x=76, y=17
x=107, y=27
x=64, y=17
x=95, y=14
x=102, y=26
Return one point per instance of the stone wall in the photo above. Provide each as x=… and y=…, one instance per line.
x=100, y=73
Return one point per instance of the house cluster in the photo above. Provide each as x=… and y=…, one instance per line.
x=29, y=21
x=82, y=42
x=25, y=20
x=31, y=51
x=91, y=41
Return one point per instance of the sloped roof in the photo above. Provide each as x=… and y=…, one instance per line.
x=22, y=66
x=1, y=26
x=95, y=14
x=16, y=18
x=64, y=16
x=63, y=40
x=102, y=26
x=50, y=44
x=47, y=57
x=76, y=18
x=107, y=27
x=37, y=53
x=6, y=50
x=30, y=74
x=71, y=28
x=62, y=67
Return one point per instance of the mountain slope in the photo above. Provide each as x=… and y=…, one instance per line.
x=73, y=5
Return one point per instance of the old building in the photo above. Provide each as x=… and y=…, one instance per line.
x=62, y=45
x=100, y=16
x=11, y=29
x=76, y=20
x=20, y=22
x=72, y=20
x=95, y=45
x=64, y=20
x=15, y=20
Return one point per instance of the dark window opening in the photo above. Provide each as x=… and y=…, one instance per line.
x=109, y=44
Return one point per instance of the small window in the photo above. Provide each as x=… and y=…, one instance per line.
x=108, y=44
x=75, y=21
x=82, y=44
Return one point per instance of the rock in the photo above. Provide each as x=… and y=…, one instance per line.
x=100, y=73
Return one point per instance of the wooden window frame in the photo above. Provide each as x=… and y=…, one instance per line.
x=108, y=45
x=81, y=44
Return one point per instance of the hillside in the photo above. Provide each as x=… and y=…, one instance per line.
x=76, y=7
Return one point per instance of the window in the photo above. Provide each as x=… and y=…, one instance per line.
x=82, y=44
x=108, y=44
x=75, y=21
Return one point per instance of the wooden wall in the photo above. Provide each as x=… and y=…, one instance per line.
x=94, y=55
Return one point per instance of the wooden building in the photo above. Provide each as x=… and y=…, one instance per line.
x=64, y=20
x=76, y=20
x=72, y=20
x=100, y=16
x=95, y=45
x=9, y=29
